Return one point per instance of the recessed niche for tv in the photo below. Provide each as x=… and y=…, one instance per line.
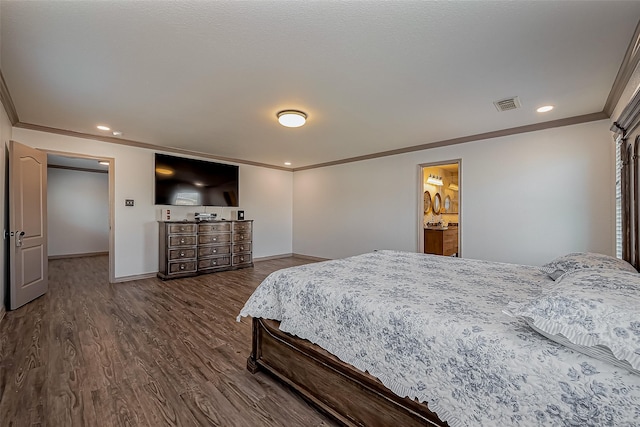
x=189, y=182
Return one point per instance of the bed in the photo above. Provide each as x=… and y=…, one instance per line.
x=397, y=338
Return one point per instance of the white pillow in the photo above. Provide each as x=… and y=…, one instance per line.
x=580, y=260
x=596, y=310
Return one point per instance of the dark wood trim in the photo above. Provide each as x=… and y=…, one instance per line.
x=75, y=168
x=87, y=254
x=7, y=101
x=471, y=138
x=137, y=144
x=628, y=66
x=350, y=396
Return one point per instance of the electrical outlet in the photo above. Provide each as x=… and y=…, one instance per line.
x=128, y=202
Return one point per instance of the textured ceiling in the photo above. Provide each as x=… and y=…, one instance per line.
x=372, y=76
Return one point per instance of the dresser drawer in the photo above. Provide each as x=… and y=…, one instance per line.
x=184, y=253
x=217, y=262
x=241, y=247
x=242, y=259
x=205, y=239
x=204, y=251
x=182, y=267
x=242, y=237
x=242, y=227
x=181, y=228
x=213, y=227
x=182, y=240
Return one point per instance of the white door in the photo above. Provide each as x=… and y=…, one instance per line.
x=28, y=256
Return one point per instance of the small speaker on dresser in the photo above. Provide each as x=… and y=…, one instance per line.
x=240, y=215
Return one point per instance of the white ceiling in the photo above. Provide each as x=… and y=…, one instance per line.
x=210, y=76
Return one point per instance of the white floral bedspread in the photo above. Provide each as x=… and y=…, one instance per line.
x=432, y=328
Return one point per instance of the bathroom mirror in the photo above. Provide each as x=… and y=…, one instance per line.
x=427, y=202
x=447, y=204
x=437, y=204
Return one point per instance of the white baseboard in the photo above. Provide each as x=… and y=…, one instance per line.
x=309, y=257
x=52, y=257
x=2, y=312
x=267, y=258
x=122, y=279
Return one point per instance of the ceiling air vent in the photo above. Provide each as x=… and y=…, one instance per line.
x=507, y=104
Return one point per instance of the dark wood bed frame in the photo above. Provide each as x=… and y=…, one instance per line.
x=350, y=396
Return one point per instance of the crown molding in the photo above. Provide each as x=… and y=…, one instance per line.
x=7, y=101
x=145, y=145
x=75, y=168
x=477, y=137
x=628, y=66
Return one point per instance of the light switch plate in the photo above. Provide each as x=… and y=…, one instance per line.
x=128, y=202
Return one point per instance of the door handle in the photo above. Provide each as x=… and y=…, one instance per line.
x=19, y=237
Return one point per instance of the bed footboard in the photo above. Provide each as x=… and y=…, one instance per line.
x=348, y=395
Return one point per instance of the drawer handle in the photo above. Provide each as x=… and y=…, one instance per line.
x=181, y=240
x=242, y=248
x=215, y=251
x=214, y=263
x=215, y=238
x=241, y=259
x=241, y=237
x=181, y=266
x=181, y=253
x=182, y=228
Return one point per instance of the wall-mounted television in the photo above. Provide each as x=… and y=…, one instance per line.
x=189, y=182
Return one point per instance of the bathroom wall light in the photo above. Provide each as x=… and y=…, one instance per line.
x=434, y=180
x=292, y=118
x=453, y=187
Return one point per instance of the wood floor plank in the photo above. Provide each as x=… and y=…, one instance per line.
x=141, y=353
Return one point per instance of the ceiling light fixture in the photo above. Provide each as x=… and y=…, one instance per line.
x=287, y=163
x=103, y=127
x=453, y=187
x=103, y=163
x=545, y=109
x=434, y=180
x=116, y=133
x=292, y=118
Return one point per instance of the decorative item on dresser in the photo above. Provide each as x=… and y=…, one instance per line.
x=188, y=248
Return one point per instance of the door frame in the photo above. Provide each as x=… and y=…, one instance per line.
x=420, y=198
x=112, y=185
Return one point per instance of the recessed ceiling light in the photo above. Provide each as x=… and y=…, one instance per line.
x=287, y=163
x=103, y=127
x=116, y=133
x=545, y=109
x=292, y=118
x=103, y=163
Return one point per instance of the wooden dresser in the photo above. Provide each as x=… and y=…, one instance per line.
x=188, y=248
x=441, y=242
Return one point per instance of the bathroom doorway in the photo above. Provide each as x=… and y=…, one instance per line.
x=440, y=213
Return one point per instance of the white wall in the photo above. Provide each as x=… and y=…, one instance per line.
x=524, y=198
x=77, y=212
x=265, y=195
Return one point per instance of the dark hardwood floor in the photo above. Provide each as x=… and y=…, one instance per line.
x=141, y=353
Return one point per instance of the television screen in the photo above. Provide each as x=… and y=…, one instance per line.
x=189, y=182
